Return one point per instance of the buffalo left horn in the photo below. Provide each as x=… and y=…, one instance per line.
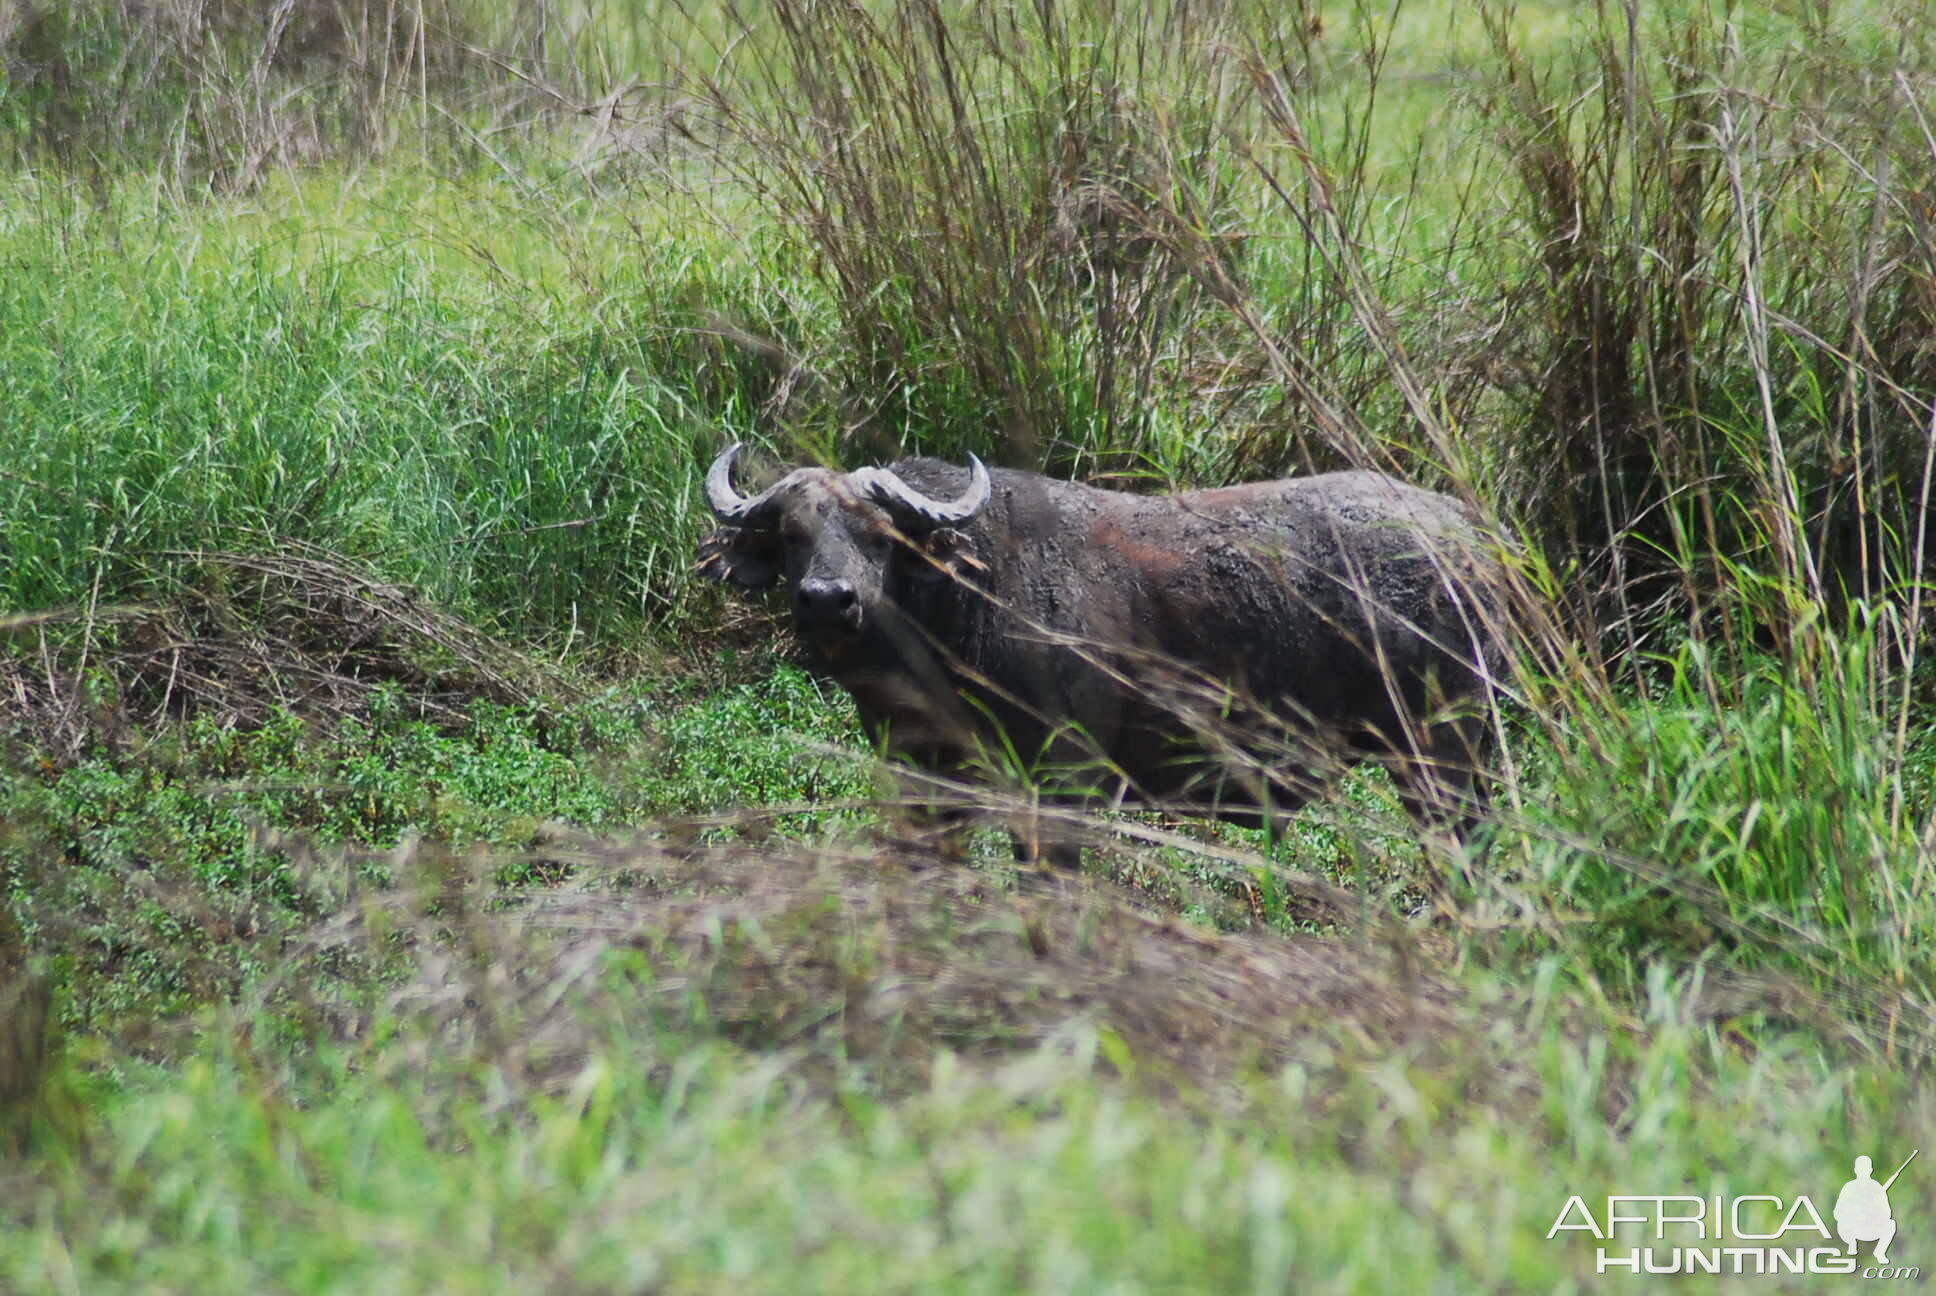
x=896, y=495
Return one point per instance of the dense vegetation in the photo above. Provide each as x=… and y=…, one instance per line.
x=411, y=879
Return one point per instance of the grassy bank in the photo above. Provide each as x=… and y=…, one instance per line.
x=669, y=1160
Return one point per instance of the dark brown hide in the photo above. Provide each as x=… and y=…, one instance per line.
x=1215, y=651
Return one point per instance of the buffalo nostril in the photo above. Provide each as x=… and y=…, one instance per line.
x=845, y=601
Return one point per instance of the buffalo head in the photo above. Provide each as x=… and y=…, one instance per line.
x=843, y=542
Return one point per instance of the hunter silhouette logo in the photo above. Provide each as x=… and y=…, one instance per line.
x=1754, y=1233
x=1862, y=1209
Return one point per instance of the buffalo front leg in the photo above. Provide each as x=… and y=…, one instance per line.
x=1442, y=780
x=1038, y=839
x=930, y=811
x=927, y=822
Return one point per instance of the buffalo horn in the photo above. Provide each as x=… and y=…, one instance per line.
x=896, y=495
x=732, y=506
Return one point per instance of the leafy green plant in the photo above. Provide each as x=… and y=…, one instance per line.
x=136, y=870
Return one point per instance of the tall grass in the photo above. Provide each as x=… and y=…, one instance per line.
x=1728, y=257
x=1672, y=345
x=989, y=196
x=455, y=434
x=221, y=92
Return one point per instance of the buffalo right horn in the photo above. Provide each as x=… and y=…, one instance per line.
x=732, y=506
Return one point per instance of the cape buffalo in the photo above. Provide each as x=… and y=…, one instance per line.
x=1219, y=652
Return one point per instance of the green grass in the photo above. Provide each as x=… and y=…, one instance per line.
x=215, y=386
x=1697, y=817
x=666, y=1158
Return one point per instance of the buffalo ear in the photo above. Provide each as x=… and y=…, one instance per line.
x=742, y=558
x=945, y=554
